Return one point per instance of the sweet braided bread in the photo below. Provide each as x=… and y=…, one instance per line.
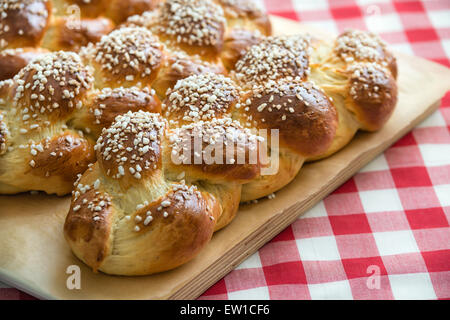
x=173, y=121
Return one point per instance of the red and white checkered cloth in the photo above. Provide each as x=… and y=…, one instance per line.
x=385, y=233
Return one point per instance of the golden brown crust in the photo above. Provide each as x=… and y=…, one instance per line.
x=201, y=27
x=110, y=103
x=194, y=26
x=228, y=196
x=88, y=225
x=50, y=164
x=58, y=91
x=174, y=235
x=392, y=64
x=248, y=12
x=5, y=90
x=66, y=34
x=236, y=44
x=289, y=165
x=120, y=10
x=12, y=60
x=23, y=22
x=303, y=114
x=186, y=216
x=373, y=91
x=69, y=25
x=53, y=85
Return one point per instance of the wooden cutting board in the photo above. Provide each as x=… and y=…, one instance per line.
x=34, y=256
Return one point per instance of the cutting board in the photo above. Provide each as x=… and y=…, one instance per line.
x=35, y=258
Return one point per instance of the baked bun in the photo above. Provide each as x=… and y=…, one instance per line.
x=304, y=121
x=23, y=22
x=129, y=56
x=42, y=152
x=12, y=60
x=274, y=58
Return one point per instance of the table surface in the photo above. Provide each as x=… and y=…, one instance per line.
x=385, y=233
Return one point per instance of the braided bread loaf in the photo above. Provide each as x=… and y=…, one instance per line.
x=54, y=109
x=148, y=199
x=316, y=94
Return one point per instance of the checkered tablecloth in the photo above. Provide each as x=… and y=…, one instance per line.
x=385, y=233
